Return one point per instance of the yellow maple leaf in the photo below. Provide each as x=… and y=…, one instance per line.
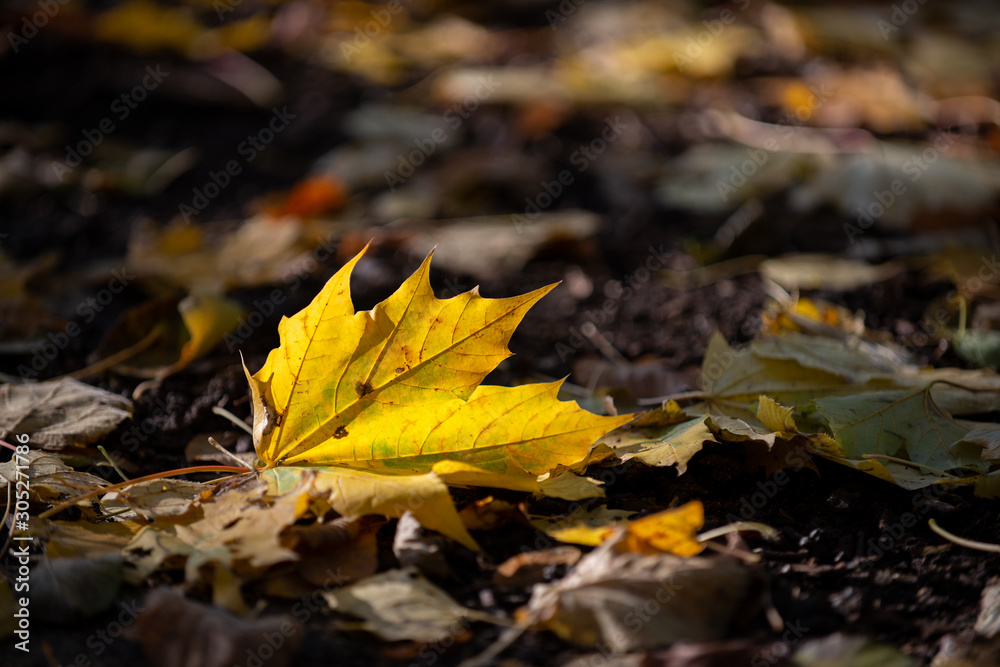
x=397, y=390
x=399, y=386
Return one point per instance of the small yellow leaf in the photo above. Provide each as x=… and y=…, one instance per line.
x=208, y=318
x=681, y=599
x=74, y=539
x=670, y=531
x=776, y=417
x=590, y=536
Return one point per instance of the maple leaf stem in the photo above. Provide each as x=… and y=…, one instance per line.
x=122, y=485
x=745, y=556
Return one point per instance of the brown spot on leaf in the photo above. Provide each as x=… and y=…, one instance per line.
x=363, y=389
x=400, y=369
x=341, y=432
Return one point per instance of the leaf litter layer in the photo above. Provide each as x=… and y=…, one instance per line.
x=328, y=380
x=439, y=351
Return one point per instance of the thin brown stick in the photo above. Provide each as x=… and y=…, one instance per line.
x=117, y=487
x=118, y=357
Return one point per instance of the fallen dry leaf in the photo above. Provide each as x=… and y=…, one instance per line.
x=491, y=246
x=60, y=413
x=657, y=439
x=860, y=399
x=155, y=499
x=794, y=368
x=402, y=605
x=175, y=632
x=343, y=548
x=215, y=257
x=67, y=589
x=839, y=274
x=629, y=601
x=241, y=532
x=904, y=424
x=68, y=539
x=415, y=547
x=50, y=478
x=309, y=198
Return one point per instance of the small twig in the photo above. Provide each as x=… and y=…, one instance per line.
x=910, y=464
x=222, y=412
x=145, y=386
x=117, y=487
x=602, y=345
x=125, y=510
x=212, y=441
x=114, y=465
x=744, y=556
x=961, y=541
x=774, y=618
x=118, y=357
x=738, y=526
x=705, y=539
x=609, y=405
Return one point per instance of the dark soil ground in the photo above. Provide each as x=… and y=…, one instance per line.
x=854, y=554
